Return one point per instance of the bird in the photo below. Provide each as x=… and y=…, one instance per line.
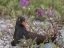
x=20, y=31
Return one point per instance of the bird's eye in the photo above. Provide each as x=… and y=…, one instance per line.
x=19, y=19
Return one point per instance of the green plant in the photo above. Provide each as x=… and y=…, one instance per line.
x=13, y=7
x=27, y=43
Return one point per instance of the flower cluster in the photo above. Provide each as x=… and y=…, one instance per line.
x=39, y=11
x=46, y=11
x=25, y=2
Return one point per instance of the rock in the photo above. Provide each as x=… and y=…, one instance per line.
x=7, y=46
x=2, y=46
x=48, y=45
x=6, y=36
x=1, y=43
x=7, y=21
x=1, y=21
x=60, y=38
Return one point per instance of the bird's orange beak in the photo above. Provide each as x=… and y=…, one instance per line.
x=24, y=24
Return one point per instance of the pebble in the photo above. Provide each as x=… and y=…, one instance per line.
x=48, y=45
x=7, y=46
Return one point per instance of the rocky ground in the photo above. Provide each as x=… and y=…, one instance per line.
x=7, y=30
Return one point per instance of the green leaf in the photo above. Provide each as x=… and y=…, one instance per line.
x=50, y=40
x=41, y=44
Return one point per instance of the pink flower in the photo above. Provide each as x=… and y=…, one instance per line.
x=52, y=13
x=39, y=11
x=23, y=3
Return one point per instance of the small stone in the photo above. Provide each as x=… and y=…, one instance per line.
x=7, y=46
x=2, y=46
x=47, y=45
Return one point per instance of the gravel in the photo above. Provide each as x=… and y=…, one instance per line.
x=7, y=29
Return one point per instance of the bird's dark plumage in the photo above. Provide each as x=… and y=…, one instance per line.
x=21, y=31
